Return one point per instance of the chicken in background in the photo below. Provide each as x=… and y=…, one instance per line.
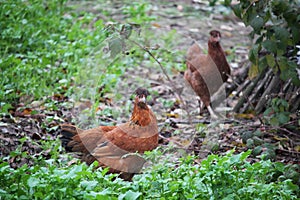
x=207, y=73
x=117, y=147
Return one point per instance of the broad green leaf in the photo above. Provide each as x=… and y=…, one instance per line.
x=270, y=60
x=270, y=46
x=2, y=192
x=129, y=195
x=253, y=53
x=262, y=64
x=283, y=63
x=245, y=155
x=281, y=34
x=257, y=23
x=253, y=71
x=32, y=182
x=281, y=50
x=288, y=70
x=283, y=117
x=237, y=10
x=72, y=173
x=284, y=75
x=98, y=195
x=279, y=6
x=257, y=150
x=274, y=121
x=259, y=39
x=292, y=72
x=115, y=46
x=89, y=185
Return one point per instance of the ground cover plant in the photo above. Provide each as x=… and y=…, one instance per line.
x=78, y=62
x=226, y=177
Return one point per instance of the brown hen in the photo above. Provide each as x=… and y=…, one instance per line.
x=117, y=147
x=207, y=73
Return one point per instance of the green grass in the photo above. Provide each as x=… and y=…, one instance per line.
x=48, y=48
x=37, y=49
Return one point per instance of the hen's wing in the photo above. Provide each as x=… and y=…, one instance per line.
x=193, y=52
x=72, y=137
x=115, y=157
x=118, y=152
x=114, y=147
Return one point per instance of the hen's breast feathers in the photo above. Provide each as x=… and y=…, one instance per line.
x=218, y=56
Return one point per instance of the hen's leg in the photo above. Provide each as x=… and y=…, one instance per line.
x=211, y=112
x=201, y=106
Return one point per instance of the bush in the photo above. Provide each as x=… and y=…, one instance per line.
x=276, y=32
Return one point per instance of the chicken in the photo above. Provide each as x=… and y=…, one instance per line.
x=117, y=147
x=207, y=73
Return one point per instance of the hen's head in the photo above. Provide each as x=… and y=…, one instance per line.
x=215, y=36
x=141, y=96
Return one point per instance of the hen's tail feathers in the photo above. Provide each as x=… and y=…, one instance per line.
x=68, y=131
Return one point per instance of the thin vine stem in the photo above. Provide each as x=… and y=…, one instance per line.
x=166, y=74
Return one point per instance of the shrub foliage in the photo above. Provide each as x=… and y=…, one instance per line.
x=276, y=32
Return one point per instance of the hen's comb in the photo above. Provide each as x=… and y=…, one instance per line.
x=215, y=33
x=142, y=92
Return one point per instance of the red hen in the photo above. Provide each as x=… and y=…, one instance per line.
x=117, y=147
x=207, y=73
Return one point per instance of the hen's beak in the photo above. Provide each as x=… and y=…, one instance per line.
x=215, y=39
x=142, y=99
x=142, y=102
